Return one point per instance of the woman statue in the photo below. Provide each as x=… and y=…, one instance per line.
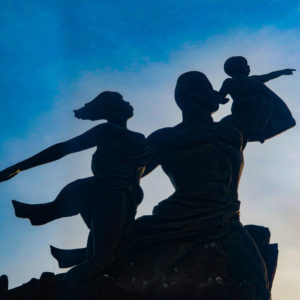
x=193, y=246
x=106, y=201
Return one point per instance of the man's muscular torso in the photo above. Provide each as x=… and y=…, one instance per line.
x=205, y=160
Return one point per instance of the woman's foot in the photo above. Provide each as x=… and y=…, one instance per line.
x=32, y=212
x=22, y=210
x=68, y=258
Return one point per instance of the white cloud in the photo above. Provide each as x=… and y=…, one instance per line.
x=268, y=191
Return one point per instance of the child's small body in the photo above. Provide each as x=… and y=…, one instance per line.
x=261, y=109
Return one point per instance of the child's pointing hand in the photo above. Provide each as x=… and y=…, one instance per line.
x=288, y=71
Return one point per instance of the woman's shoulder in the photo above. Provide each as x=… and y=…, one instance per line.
x=109, y=128
x=105, y=131
x=115, y=131
x=102, y=127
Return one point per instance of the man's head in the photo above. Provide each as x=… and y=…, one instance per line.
x=236, y=65
x=194, y=91
x=107, y=105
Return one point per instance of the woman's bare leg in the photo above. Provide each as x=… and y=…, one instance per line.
x=38, y=214
x=68, y=203
x=107, y=225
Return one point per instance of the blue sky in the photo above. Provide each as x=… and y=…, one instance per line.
x=45, y=44
x=56, y=55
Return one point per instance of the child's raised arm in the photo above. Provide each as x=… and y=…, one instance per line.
x=273, y=75
x=224, y=91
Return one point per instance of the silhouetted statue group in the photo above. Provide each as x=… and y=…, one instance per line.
x=193, y=245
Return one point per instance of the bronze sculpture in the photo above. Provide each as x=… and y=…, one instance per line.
x=106, y=201
x=193, y=245
x=204, y=162
x=265, y=113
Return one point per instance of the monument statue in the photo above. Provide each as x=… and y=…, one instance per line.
x=106, y=201
x=265, y=113
x=193, y=246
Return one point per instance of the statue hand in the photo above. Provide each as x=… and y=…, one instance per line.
x=288, y=71
x=220, y=98
x=8, y=173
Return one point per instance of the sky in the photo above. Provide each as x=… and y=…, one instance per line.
x=57, y=55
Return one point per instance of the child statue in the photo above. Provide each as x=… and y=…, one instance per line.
x=264, y=114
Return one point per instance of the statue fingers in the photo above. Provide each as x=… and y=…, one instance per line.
x=8, y=174
x=288, y=71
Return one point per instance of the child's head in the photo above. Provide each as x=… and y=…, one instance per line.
x=236, y=65
x=107, y=105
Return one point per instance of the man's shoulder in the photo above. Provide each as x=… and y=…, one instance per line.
x=161, y=133
x=230, y=129
x=227, y=82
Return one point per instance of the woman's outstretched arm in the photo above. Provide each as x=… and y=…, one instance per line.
x=84, y=141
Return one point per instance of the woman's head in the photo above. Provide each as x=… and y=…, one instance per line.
x=236, y=65
x=194, y=91
x=108, y=106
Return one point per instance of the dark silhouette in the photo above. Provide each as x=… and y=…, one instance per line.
x=107, y=201
x=3, y=284
x=193, y=245
x=265, y=113
x=204, y=161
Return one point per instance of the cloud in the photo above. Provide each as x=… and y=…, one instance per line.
x=269, y=187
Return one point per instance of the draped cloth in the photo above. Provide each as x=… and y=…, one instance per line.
x=204, y=235
x=181, y=216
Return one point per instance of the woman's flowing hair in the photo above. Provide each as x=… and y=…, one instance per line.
x=99, y=107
